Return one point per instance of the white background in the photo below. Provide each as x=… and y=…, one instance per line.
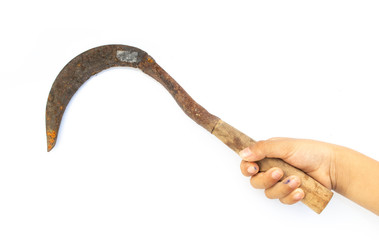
x=130, y=165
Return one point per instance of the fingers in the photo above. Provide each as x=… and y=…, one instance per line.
x=264, y=180
x=293, y=197
x=287, y=190
x=283, y=188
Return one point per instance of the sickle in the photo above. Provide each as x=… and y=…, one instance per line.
x=93, y=61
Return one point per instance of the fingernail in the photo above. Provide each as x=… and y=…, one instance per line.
x=298, y=195
x=251, y=169
x=292, y=182
x=276, y=174
x=287, y=181
x=246, y=153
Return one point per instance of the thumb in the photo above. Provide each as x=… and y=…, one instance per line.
x=273, y=148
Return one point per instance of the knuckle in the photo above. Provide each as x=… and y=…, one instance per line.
x=284, y=201
x=258, y=144
x=242, y=166
x=243, y=163
x=266, y=184
x=254, y=182
x=269, y=194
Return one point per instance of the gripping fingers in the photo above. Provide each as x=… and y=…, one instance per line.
x=283, y=188
x=286, y=191
x=264, y=180
x=293, y=197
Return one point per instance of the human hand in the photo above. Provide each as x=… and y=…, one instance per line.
x=313, y=157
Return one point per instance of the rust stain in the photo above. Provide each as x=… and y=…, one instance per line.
x=51, y=137
x=51, y=134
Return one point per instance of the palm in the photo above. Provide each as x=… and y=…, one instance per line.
x=306, y=155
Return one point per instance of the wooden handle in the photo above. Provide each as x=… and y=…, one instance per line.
x=316, y=195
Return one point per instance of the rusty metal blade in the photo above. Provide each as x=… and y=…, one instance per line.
x=78, y=71
x=93, y=61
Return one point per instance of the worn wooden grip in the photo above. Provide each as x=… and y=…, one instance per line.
x=316, y=195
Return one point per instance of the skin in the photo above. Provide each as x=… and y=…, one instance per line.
x=338, y=168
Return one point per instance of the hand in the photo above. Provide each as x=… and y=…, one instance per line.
x=313, y=157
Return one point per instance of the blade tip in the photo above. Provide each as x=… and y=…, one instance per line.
x=51, y=139
x=49, y=147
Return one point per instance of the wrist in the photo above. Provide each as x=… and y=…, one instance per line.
x=355, y=176
x=339, y=169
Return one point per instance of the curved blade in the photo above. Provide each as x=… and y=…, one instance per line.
x=79, y=70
